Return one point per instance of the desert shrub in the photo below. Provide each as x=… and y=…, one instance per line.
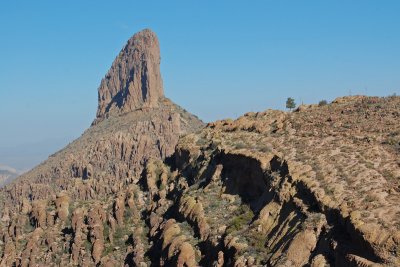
x=389, y=176
x=201, y=141
x=258, y=241
x=162, y=186
x=369, y=198
x=28, y=227
x=265, y=148
x=119, y=234
x=106, y=230
x=329, y=191
x=244, y=216
x=392, y=141
x=322, y=103
x=107, y=249
x=88, y=245
x=23, y=242
x=240, y=145
x=369, y=165
x=215, y=144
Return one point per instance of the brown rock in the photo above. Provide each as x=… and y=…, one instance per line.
x=193, y=210
x=220, y=261
x=76, y=248
x=97, y=251
x=134, y=80
x=96, y=217
x=39, y=213
x=171, y=230
x=119, y=209
x=318, y=261
x=77, y=220
x=26, y=207
x=62, y=205
x=9, y=255
x=301, y=248
x=108, y=262
x=186, y=256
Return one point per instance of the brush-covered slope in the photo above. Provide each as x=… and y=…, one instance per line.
x=315, y=187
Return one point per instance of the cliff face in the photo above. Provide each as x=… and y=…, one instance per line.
x=134, y=80
x=153, y=187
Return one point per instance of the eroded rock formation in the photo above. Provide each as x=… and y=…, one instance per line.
x=134, y=80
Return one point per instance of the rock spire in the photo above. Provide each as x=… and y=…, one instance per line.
x=134, y=79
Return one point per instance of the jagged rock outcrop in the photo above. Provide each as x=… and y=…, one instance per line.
x=134, y=80
x=96, y=217
x=38, y=215
x=62, y=205
x=119, y=209
x=192, y=210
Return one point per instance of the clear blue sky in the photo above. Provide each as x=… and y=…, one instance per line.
x=219, y=59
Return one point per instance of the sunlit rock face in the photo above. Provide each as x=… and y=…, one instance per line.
x=134, y=80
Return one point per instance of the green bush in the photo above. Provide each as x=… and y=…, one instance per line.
x=240, y=145
x=88, y=245
x=290, y=104
x=322, y=103
x=244, y=217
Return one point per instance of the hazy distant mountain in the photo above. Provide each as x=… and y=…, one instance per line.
x=25, y=156
x=7, y=174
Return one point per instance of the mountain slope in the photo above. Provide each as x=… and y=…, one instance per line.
x=134, y=123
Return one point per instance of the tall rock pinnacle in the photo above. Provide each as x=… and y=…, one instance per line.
x=134, y=80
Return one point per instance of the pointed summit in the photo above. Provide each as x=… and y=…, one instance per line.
x=134, y=80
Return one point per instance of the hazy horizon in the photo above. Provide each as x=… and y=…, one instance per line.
x=219, y=60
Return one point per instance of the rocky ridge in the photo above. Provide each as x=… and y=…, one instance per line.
x=316, y=187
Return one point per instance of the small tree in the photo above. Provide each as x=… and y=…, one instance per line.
x=290, y=104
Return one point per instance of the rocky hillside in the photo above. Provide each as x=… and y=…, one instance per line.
x=316, y=187
x=148, y=185
x=126, y=132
